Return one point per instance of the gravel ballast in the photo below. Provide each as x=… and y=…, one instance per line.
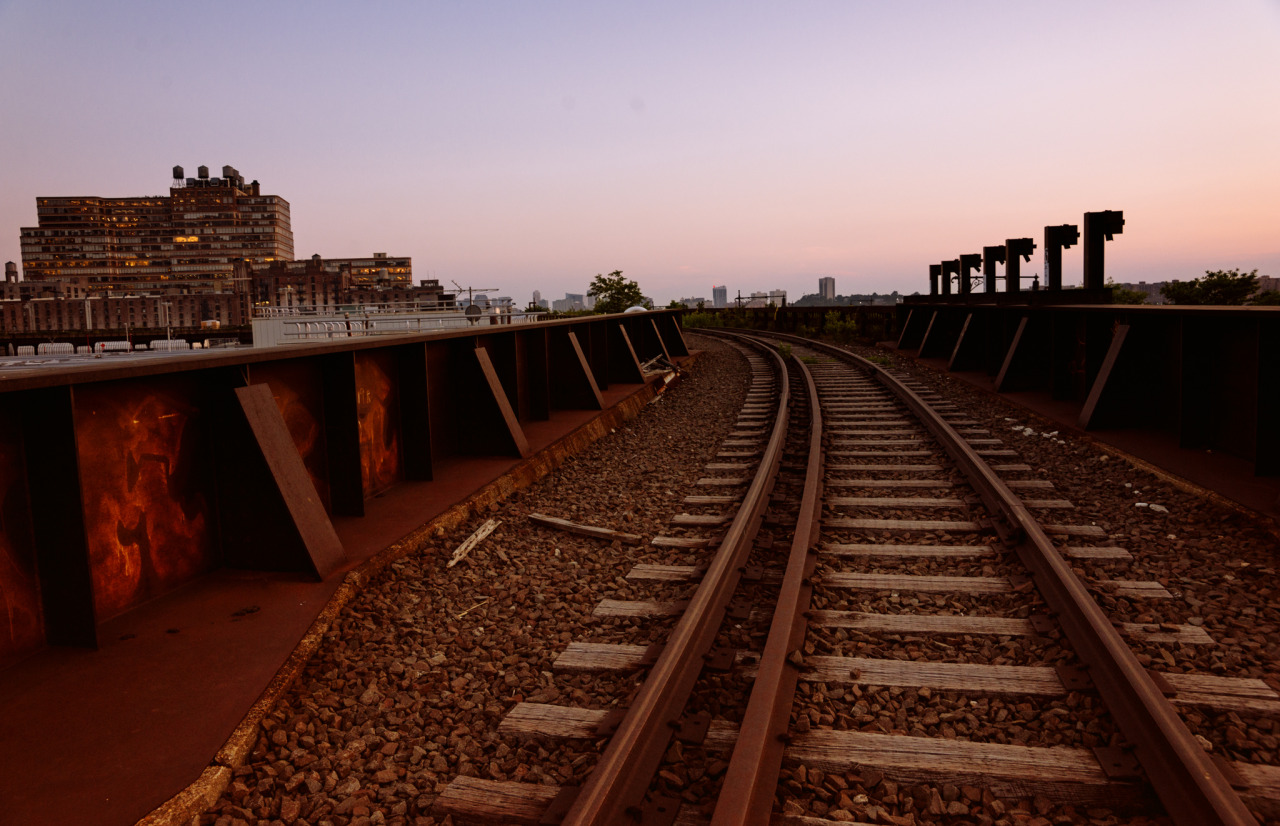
x=410, y=685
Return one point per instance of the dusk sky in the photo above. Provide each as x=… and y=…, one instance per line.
x=530, y=146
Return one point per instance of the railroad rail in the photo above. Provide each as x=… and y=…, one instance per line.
x=853, y=409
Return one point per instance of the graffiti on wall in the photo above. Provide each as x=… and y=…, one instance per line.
x=378, y=408
x=299, y=393
x=144, y=476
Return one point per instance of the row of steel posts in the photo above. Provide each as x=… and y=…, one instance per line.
x=1099, y=227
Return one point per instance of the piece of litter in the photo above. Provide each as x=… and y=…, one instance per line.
x=472, y=541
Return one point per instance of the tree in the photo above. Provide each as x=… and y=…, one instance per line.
x=613, y=293
x=1120, y=295
x=1271, y=298
x=1230, y=287
x=676, y=304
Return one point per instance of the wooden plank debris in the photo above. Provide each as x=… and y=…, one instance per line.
x=895, y=502
x=923, y=624
x=1092, y=552
x=469, y=544
x=585, y=530
x=868, y=454
x=1166, y=632
x=889, y=483
x=599, y=656
x=903, y=525
x=849, y=441
x=1061, y=774
x=1075, y=530
x=495, y=801
x=680, y=542
x=910, y=582
x=701, y=519
x=966, y=677
x=888, y=550
x=1241, y=694
x=638, y=609
x=1139, y=589
x=547, y=720
x=663, y=573
x=882, y=467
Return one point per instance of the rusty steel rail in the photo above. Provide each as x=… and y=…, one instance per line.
x=617, y=786
x=757, y=754
x=1191, y=787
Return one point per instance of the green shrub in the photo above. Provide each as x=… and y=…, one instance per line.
x=839, y=328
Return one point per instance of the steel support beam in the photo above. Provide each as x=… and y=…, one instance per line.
x=270, y=515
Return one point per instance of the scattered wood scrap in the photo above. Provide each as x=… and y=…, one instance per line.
x=584, y=530
x=472, y=541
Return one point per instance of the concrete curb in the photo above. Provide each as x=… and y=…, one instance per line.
x=187, y=806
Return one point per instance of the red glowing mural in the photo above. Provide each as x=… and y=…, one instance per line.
x=378, y=407
x=144, y=471
x=299, y=393
x=21, y=618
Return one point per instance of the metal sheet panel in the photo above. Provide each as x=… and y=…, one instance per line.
x=145, y=475
x=378, y=411
x=21, y=614
x=298, y=391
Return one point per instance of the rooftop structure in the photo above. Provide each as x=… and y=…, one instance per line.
x=185, y=241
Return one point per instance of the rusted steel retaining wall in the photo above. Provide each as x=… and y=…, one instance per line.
x=121, y=481
x=1210, y=376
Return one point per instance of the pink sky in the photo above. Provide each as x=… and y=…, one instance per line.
x=531, y=146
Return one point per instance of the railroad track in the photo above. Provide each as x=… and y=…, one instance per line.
x=874, y=595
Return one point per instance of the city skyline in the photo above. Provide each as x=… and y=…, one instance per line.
x=532, y=148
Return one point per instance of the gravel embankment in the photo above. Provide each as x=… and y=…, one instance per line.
x=411, y=682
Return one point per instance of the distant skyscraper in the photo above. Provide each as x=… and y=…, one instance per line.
x=827, y=287
x=719, y=296
x=537, y=298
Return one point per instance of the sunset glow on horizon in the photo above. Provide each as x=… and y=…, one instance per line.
x=758, y=146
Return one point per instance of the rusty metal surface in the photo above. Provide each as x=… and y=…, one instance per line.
x=1208, y=376
x=148, y=466
x=166, y=702
x=626, y=768
x=757, y=755
x=264, y=487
